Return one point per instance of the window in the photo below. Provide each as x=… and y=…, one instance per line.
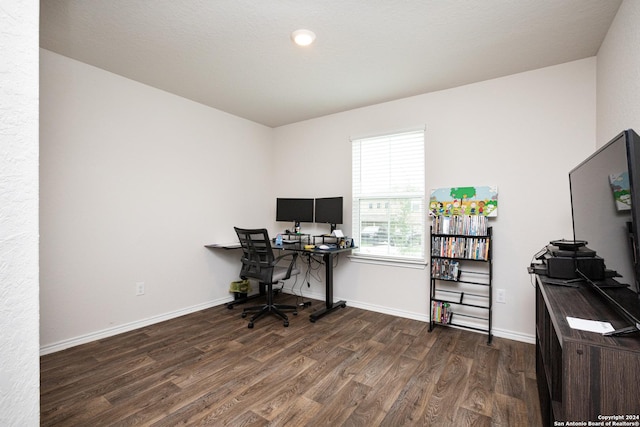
x=389, y=197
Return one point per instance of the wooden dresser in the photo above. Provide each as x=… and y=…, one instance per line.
x=584, y=376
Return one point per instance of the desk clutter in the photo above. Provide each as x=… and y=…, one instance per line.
x=322, y=242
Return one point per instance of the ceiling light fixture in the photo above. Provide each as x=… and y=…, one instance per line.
x=303, y=37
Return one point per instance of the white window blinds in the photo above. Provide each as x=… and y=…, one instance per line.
x=389, y=196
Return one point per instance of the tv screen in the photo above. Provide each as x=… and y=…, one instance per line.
x=295, y=210
x=605, y=205
x=329, y=210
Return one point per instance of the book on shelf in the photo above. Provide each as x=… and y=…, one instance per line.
x=441, y=312
x=470, y=225
x=461, y=247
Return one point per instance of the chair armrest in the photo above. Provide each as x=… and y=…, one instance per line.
x=294, y=257
x=292, y=254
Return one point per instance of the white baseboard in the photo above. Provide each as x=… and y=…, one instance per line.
x=109, y=332
x=502, y=333
x=515, y=336
x=386, y=310
x=127, y=327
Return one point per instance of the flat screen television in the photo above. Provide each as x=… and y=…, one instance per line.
x=294, y=210
x=605, y=206
x=329, y=211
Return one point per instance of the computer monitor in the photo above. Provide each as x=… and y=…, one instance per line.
x=329, y=210
x=294, y=210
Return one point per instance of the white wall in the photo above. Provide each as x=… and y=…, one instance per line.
x=522, y=133
x=175, y=165
x=134, y=182
x=619, y=75
x=19, y=362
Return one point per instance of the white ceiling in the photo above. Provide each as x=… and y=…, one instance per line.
x=236, y=55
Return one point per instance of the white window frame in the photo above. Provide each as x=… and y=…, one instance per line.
x=395, y=188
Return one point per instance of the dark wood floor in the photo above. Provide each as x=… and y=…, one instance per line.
x=351, y=368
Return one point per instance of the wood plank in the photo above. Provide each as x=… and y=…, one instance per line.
x=352, y=367
x=446, y=396
x=478, y=394
x=373, y=409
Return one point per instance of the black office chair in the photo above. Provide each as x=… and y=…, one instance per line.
x=258, y=262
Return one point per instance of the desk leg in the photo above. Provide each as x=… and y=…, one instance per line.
x=329, y=304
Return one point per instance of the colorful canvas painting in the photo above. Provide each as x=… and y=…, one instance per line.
x=620, y=187
x=464, y=201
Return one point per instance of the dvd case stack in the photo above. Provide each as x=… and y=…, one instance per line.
x=469, y=225
x=460, y=247
x=445, y=269
x=441, y=312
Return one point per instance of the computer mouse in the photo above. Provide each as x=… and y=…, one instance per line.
x=323, y=247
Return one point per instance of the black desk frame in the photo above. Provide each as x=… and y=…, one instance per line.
x=327, y=257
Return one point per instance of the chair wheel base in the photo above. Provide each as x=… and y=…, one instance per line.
x=277, y=310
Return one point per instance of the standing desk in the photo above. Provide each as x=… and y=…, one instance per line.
x=328, y=256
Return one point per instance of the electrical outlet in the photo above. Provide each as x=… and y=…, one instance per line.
x=139, y=288
x=501, y=296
